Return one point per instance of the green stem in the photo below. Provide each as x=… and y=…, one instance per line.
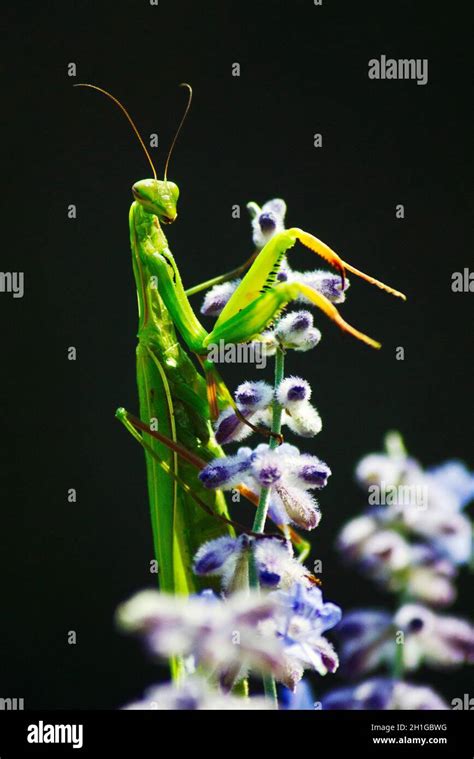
x=270, y=689
x=398, y=666
x=262, y=508
x=471, y=563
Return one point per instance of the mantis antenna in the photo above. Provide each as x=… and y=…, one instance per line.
x=130, y=120
x=188, y=106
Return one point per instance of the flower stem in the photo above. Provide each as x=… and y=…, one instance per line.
x=262, y=508
x=270, y=690
x=398, y=666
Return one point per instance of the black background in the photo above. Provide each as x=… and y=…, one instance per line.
x=303, y=70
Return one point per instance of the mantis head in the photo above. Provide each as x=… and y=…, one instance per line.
x=158, y=197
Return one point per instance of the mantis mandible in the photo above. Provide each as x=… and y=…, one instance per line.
x=171, y=389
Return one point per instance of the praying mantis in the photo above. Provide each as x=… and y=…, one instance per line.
x=177, y=396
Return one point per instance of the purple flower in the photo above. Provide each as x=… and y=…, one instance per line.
x=438, y=640
x=267, y=221
x=449, y=531
x=383, y=693
x=300, y=621
x=276, y=565
x=366, y=638
x=218, y=297
x=193, y=693
x=254, y=395
x=295, y=330
x=300, y=507
x=313, y=472
x=212, y=556
x=430, y=576
x=221, y=635
x=226, y=472
x=293, y=394
x=374, y=694
x=230, y=427
x=324, y=282
x=293, y=390
x=454, y=477
x=288, y=474
x=252, y=398
x=370, y=638
x=422, y=504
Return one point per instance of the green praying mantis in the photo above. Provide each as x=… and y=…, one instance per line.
x=174, y=393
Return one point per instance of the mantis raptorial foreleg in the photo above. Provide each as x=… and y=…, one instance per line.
x=253, y=319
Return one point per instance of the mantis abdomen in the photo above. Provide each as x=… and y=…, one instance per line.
x=172, y=397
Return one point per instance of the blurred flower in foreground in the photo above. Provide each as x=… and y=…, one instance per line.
x=299, y=621
x=194, y=693
x=271, y=619
x=279, y=633
x=384, y=693
x=220, y=634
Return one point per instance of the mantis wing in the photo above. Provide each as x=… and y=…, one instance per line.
x=172, y=395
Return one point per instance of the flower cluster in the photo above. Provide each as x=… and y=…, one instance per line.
x=413, y=535
x=220, y=635
x=254, y=403
x=270, y=618
x=194, y=694
x=371, y=638
x=295, y=330
x=273, y=558
x=266, y=222
x=384, y=693
x=412, y=541
x=278, y=633
x=288, y=475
